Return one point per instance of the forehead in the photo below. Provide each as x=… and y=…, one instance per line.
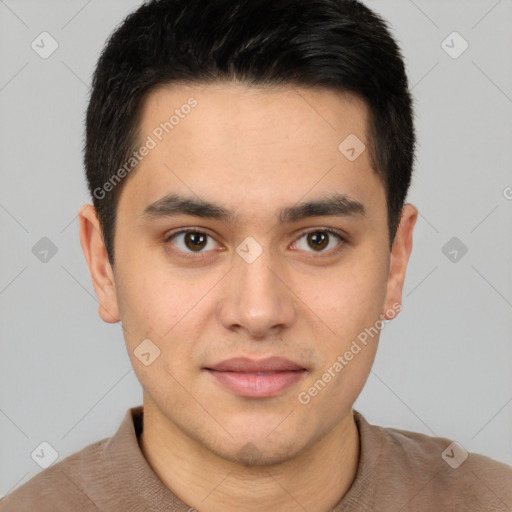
x=233, y=112
x=250, y=147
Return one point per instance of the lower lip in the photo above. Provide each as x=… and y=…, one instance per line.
x=253, y=385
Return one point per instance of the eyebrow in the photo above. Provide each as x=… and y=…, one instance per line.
x=173, y=205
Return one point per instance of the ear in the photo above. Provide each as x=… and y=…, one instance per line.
x=400, y=252
x=95, y=252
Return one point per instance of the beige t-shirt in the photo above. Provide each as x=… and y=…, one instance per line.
x=398, y=471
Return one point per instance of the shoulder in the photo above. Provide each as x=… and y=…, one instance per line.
x=439, y=452
x=60, y=487
x=437, y=470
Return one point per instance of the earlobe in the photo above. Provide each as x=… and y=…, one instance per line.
x=93, y=247
x=400, y=253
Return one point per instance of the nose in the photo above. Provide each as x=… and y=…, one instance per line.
x=256, y=298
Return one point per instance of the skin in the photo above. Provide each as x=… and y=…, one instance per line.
x=254, y=151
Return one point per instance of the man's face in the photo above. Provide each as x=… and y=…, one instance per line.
x=256, y=285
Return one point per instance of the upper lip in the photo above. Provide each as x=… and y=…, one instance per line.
x=247, y=365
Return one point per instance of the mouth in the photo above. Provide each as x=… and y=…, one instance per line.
x=251, y=378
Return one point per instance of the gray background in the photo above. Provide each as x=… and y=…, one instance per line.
x=444, y=366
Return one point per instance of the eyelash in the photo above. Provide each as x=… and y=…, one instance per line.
x=191, y=255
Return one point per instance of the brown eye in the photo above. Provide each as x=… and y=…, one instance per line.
x=195, y=241
x=191, y=241
x=321, y=240
x=318, y=240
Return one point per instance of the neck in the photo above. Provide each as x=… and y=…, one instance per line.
x=210, y=483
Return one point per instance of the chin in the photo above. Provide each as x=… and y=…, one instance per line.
x=258, y=453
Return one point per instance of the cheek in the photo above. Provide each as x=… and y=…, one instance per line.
x=355, y=313
x=148, y=303
x=351, y=310
x=352, y=296
x=154, y=308
x=164, y=305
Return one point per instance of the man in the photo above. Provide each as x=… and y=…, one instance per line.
x=249, y=163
